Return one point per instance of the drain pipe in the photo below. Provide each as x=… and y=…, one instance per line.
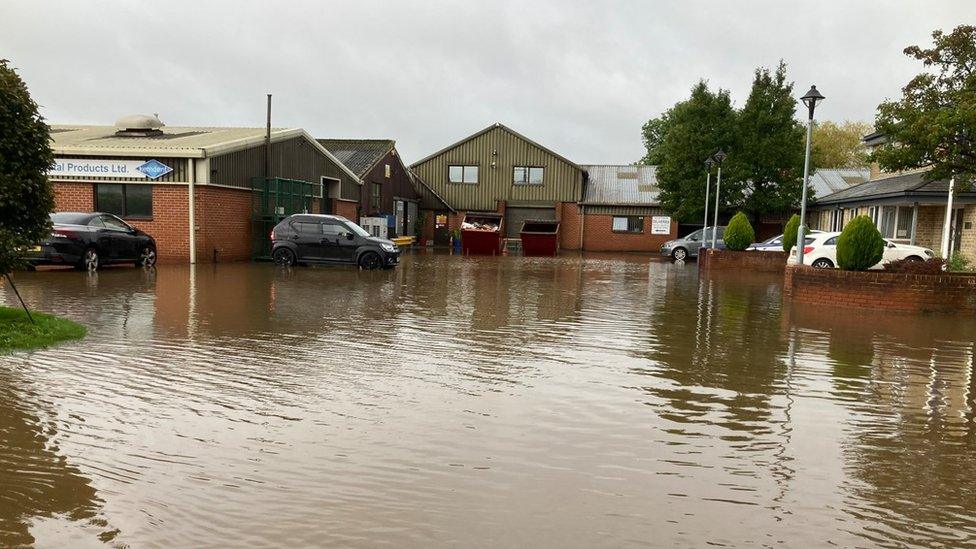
x=191, y=182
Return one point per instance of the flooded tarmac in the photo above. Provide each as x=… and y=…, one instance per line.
x=476, y=402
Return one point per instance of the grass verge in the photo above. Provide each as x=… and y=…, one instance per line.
x=17, y=333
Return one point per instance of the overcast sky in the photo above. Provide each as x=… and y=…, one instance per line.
x=580, y=79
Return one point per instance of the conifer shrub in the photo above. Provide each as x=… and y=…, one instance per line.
x=859, y=246
x=789, y=233
x=739, y=233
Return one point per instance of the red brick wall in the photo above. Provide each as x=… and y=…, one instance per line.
x=568, y=215
x=74, y=197
x=598, y=236
x=349, y=210
x=223, y=224
x=727, y=260
x=170, y=223
x=878, y=290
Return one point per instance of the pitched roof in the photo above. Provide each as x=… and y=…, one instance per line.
x=828, y=181
x=897, y=186
x=488, y=129
x=359, y=155
x=175, y=141
x=621, y=186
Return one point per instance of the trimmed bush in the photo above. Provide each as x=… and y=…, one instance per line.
x=860, y=246
x=789, y=233
x=934, y=266
x=739, y=234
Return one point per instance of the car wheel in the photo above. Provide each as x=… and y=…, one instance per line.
x=147, y=258
x=370, y=261
x=679, y=254
x=283, y=257
x=822, y=263
x=913, y=258
x=89, y=261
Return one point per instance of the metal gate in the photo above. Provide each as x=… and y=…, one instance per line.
x=514, y=217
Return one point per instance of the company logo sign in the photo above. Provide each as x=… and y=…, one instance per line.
x=89, y=167
x=154, y=169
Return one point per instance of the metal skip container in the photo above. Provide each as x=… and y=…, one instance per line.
x=540, y=237
x=481, y=233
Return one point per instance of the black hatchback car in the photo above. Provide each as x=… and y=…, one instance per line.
x=317, y=238
x=87, y=241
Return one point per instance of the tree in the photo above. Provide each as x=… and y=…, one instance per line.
x=770, y=154
x=690, y=132
x=739, y=234
x=933, y=125
x=653, y=134
x=839, y=145
x=26, y=197
x=859, y=246
x=789, y=232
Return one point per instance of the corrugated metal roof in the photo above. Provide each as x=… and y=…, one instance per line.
x=359, y=155
x=174, y=141
x=621, y=185
x=828, y=181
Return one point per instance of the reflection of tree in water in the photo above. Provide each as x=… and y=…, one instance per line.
x=35, y=481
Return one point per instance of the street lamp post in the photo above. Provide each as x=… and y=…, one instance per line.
x=810, y=100
x=717, y=158
x=708, y=185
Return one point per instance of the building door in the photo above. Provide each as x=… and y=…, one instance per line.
x=442, y=233
x=399, y=210
x=514, y=217
x=410, y=228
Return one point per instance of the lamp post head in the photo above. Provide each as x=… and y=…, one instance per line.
x=811, y=99
x=709, y=163
x=719, y=157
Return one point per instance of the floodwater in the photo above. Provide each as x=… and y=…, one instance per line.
x=481, y=402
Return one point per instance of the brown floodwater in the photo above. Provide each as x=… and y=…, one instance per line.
x=578, y=401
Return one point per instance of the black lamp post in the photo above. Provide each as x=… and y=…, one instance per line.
x=810, y=100
x=717, y=158
x=708, y=185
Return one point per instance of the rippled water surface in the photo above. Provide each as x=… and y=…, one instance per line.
x=578, y=401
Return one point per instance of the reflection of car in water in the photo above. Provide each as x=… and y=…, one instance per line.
x=316, y=238
x=820, y=251
x=89, y=240
x=686, y=247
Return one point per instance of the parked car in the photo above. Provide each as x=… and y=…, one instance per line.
x=87, y=241
x=686, y=247
x=774, y=244
x=820, y=251
x=316, y=238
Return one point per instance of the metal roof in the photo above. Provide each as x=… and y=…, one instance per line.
x=488, y=129
x=828, y=181
x=903, y=185
x=621, y=185
x=175, y=141
x=359, y=155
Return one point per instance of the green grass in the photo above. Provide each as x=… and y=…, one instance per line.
x=17, y=333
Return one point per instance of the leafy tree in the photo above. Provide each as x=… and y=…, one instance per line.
x=859, y=246
x=690, y=132
x=770, y=145
x=789, y=233
x=653, y=134
x=739, y=233
x=26, y=197
x=839, y=145
x=933, y=125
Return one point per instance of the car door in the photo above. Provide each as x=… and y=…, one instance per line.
x=115, y=243
x=309, y=239
x=333, y=232
x=348, y=243
x=891, y=253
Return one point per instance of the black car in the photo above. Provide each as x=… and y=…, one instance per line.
x=315, y=238
x=87, y=241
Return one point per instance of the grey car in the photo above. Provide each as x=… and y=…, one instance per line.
x=683, y=248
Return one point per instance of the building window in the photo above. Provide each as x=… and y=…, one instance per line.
x=463, y=174
x=377, y=195
x=387, y=171
x=125, y=201
x=527, y=175
x=629, y=224
x=903, y=228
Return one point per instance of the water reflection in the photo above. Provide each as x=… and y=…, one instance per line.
x=579, y=400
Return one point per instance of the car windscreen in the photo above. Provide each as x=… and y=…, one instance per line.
x=695, y=235
x=357, y=229
x=70, y=218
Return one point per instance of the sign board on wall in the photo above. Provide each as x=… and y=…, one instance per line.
x=97, y=167
x=661, y=224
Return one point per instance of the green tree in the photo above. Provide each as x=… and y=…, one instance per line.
x=653, y=135
x=690, y=132
x=789, y=233
x=839, y=145
x=739, y=234
x=933, y=125
x=26, y=197
x=859, y=246
x=770, y=145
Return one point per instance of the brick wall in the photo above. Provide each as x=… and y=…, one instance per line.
x=598, y=236
x=349, y=210
x=727, y=260
x=223, y=224
x=569, y=217
x=878, y=290
x=170, y=223
x=74, y=197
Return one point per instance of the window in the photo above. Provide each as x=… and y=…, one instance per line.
x=527, y=175
x=387, y=171
x=127, y=201
x=832, y=241
x=112, y=222
x=463, y=174
x=377, y=195
x=903, y=227
x=308, y=227
x=886, y=221
x=628, y=224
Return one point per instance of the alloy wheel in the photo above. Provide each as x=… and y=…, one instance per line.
x=148, y=257
x=822, y=264
x=284, y=257
x=371, y=261
x=680, y=254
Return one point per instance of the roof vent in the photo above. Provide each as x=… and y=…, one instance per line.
x=139, y=125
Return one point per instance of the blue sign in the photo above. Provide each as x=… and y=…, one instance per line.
x=154, y=169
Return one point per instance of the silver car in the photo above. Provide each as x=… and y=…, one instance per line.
x=683, y=248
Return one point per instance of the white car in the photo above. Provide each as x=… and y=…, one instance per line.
x=820, y=251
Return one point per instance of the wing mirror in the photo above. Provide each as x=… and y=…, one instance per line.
x=350, y=236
